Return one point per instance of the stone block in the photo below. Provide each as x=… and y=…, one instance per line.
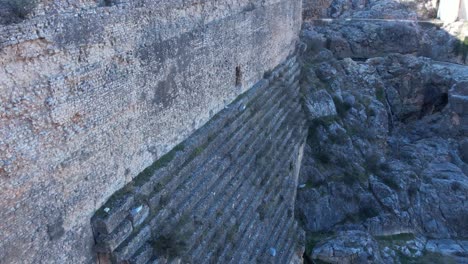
x=112, y=214
x=132, y=245
x=138, y=214
x=107, y=243
x=143, y=255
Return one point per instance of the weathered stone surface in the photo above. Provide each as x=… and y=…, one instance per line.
x=125, y=251
x=107, y=243
x=113, y=214
x=143, y=255
x=375, y=9
x=319, y=104
x=91, y=94
x=138, y=214
x=363, y=38
x=226, y=197
x=389, y=165
x=349, y=247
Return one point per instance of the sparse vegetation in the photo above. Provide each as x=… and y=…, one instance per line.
x=174, y=243
x=108, y=2
x=380, y=94
x=342, y=108
x=314, y=238
x=373, y=163
x=461, y=48
x=455, y=186
x=391, y=182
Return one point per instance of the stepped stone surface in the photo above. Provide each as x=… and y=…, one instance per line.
x=224, y=195
x=93, y=92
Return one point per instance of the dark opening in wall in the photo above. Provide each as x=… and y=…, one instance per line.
x=15, y=11
x=108, y=2
x=238, y=76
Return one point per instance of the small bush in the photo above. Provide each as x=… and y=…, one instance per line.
x=171, y=245
x=461, y=48
x=108, y=2
x=342, y=108
x=323, y=156
x=13, y=11
x=380, y=94
x=391, y=182
x=455, y=186
x=367, y=212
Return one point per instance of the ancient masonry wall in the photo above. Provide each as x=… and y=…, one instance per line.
x=225, y=195
x=93, y=92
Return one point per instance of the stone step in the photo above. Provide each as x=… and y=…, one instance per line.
x=175, y=200
x=226, y=212
x=127, y=249
x=277, y=224
x=219, y=139
x=282, y=230
x=276, y=205
x=143, y=255
x=253, y=205
x=226, y=121
x=289, y=250
x=242, y=160
x=260, y=239
x=241, y=181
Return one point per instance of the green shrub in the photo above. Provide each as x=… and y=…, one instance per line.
x=342, y=108
x=461, y=48
x=322, y=156
x=380, y=94
x=391, y=182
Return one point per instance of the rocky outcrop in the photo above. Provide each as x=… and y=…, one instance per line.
x=361, y=38
x=387, y=172
x=375, y=9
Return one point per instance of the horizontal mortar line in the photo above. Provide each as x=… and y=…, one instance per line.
x=233, y=142
x=264, y=235
x=270, y=181
x=231, y=195
x=200, y=183
x=228, y=200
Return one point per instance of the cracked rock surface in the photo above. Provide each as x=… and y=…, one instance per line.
x=384, y=180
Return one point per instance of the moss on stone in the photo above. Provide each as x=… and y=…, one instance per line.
x=380, y=94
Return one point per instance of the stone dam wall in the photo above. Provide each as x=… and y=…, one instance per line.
x=224, y=195
x=91, y=94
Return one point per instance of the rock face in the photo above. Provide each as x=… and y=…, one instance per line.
x=376, y=9
x=93, y=92
x=225, y=195
x=388, y=171
x=363, y=38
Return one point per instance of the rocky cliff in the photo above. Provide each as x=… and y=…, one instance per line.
x=384, y=174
